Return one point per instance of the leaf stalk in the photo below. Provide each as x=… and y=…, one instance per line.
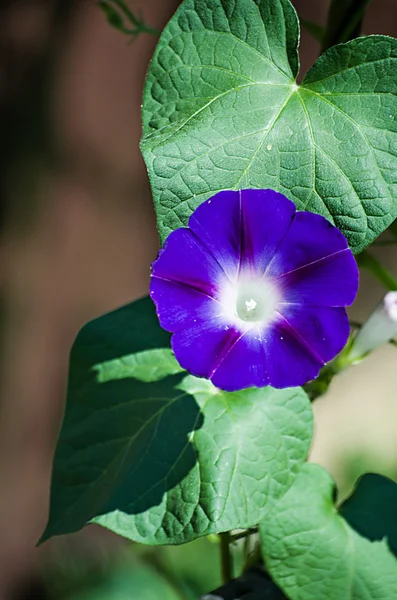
x=344, y=21
x=226, y=557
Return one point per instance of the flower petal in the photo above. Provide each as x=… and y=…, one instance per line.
x=287, y=353
x=234, y=243
x=309, y=238
x=185, y=260
x=243, y=229
x=200, y=347
x=332, y=281
x=179, y=306
x=325, y=330
x=291, y=361
x=314, y=265
x=266, y=219
x=243, y=366
x=216, y=223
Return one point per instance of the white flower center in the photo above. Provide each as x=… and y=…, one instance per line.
x=250, y=300
x=249, y=306
x=256, y=301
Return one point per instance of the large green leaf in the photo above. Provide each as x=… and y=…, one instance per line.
x=222, y=110
x=311, y=551
x=131, y=329
x=372, y=509
x=161, y=457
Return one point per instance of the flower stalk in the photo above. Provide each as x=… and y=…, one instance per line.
x=344, y=21
x=226, y=557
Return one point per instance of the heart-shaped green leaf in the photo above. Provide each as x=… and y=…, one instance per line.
x=161, y=457
x=222, y=110
x=311, y=552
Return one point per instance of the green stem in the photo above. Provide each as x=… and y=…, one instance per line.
x=139, y=24
x=372, y=264
x=117, y=20
x=318, y=387
x=355, y=324
x=243, y=534
x=253, y=559
x=126, y=10
x=315, y=30
x=247, y=544
x=344, y=21
x=226, y=557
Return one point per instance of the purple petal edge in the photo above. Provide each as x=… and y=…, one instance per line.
x=255, y=231
x=237, y=228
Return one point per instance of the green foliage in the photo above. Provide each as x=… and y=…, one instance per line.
x=161, y=457
x=315, y=30
x=372, y=509
x=222, y=111
x=242, y=452
x=194, y=567
x=114, y=18
x=119, y=16
x=121, y=583
x=311, y=552
x=103, y=570
x=344, y=21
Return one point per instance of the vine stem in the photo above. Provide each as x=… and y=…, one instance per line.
x=369, y=262
x=226, y=557
x=344, y=21
x=138, y=25
x=244, y=534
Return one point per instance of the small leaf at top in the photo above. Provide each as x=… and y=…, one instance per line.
x=113, y=17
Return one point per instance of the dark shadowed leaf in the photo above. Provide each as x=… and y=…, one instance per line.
x=161, y=457
x=372, y=509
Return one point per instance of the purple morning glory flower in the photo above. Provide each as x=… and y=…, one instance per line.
x=254, y=292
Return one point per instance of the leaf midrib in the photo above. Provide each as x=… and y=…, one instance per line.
x=269, y=129
x=154, y=135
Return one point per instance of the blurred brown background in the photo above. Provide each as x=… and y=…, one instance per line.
x=78, y=236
